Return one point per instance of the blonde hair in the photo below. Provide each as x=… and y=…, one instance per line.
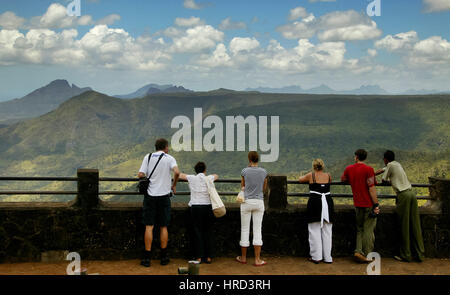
x=318, y=165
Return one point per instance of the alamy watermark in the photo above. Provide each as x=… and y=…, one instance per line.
x=74, y=267
x=213, y=140
x=374, y=8
x=374, y=268
x=74, y=8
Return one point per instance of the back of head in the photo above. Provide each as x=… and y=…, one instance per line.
x=253, y=157
x=200, y=167
x=389, y=156
x=318, y=165
x=361, y=154
x=161, y=144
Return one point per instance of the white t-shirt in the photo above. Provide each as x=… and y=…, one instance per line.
x=161, y=180
x=199, y=190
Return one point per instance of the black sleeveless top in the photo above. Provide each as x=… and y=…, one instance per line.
x=314, y=206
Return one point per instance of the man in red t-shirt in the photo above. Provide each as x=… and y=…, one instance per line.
x=361, y=177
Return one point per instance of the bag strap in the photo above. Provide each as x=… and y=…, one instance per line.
x=159, y=159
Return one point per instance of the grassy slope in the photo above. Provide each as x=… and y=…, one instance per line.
x=97, y=131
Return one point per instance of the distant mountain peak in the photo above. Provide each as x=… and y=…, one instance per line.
x=40, y=101
x=152, y=89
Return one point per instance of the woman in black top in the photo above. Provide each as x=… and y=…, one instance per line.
x=320, y=213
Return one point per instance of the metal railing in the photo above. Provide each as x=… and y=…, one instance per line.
x=181, y=193
x=380, y=196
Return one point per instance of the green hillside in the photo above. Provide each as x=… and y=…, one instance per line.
x=93, y=130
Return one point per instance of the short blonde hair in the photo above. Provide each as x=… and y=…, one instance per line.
x=318, y=165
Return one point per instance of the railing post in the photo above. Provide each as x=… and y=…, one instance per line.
x=440, y=192
x=276, y=195
x=87, y=197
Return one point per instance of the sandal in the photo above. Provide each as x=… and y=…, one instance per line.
x=261, y=264
x=238, y=259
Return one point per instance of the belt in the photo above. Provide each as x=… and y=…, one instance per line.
x=324, y=216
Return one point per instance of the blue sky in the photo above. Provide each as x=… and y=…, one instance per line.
x=116, y=46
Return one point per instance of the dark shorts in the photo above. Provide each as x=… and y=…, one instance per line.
x=156, y=210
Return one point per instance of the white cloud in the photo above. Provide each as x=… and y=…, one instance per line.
x=298, y=12
x=197, y=39
x=335, y=26
x=109, y=19
x=436, y=5
x=372, y=52
x=189, y=22
x=218, y=58
x=228, y=24
x=238, y=44
x=10, y=21
x=432, y=54
x=190, y=4
x=100, y=47
x=56, y=18
x=398, y=42
x=432, y=51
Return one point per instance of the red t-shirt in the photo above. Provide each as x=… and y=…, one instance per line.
x=360, y=176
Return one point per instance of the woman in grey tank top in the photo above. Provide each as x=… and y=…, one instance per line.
x=253, y=183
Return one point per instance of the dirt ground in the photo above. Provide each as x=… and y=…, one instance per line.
x=228, y=266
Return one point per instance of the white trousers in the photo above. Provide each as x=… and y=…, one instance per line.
x=251, y=208
x=320, y=241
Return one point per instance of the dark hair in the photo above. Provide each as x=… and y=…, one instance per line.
x=253, y=157
x=389, y=155
x=200, y=167
x=361, y=154
x=161, y=144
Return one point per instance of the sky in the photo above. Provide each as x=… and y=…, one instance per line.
x=117, y=46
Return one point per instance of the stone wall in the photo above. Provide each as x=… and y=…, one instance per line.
x=105, y=230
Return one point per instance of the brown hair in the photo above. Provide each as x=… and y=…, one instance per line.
x=161, y=144
x=253, y=157
x=361, y=154
x=318, y=165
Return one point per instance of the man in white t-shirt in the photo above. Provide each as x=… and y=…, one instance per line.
x=156, y=204
x=202, y=216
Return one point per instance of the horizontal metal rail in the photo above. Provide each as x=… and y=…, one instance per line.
x=351, y=196
x=181, y=193
x=378, y=184
x=177, y=194
x=38, y=192
x=38, y=178
x=118, y=179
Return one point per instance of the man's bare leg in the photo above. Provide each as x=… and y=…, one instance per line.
x=164, y=236
x=148, y=237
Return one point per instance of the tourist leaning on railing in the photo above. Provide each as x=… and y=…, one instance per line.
x=361, y=178
x=406, y=208
x=320, y=213
x=202, y=217
x=253, y=182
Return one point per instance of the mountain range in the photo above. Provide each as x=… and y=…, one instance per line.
x=152, y=89
x=324, y=89
x=93, y=130
x=39, y=101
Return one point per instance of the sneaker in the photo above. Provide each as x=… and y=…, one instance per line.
x=145, y=262
x=361, y=258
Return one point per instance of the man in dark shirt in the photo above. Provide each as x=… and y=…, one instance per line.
x=361, y=177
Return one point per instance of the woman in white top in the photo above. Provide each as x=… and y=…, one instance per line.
x=202, y=216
